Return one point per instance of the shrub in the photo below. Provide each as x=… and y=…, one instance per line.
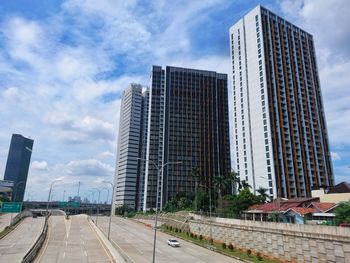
x=187, y=233
x=223, y=245
x=200, y=237
x=176, y=230
x=249, y=252
x=191, y=235
x=211, y=241
x=195, y=236
x=171, y=228
x=230, y=247
x=180, y=230
x=259, y=257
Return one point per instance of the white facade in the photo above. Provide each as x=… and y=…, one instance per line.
x=250, y=116
x=128, y=146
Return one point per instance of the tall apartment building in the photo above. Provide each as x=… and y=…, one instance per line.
x=187, y=123
x=17, y=165
x=126, y=173
x=183, y=124
x=281, y=139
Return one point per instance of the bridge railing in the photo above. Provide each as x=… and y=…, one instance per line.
x=33, y=251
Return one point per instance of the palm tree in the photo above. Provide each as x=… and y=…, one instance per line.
x=245, y=185
x=195, y=173
x=233, y=178
x=220, y=182
x=262, y=193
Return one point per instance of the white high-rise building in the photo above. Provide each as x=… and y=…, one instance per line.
x=126, y=173
x=280, y=133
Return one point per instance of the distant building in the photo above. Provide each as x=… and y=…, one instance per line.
x=281, y=139
x=17, y=165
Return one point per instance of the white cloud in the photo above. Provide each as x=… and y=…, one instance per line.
x=89, y=167
x=335, y=156
x=41, y=166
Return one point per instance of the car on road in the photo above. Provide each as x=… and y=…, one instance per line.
x=173, y=243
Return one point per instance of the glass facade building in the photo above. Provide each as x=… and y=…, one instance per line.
x=17, y=165
x=184, y=120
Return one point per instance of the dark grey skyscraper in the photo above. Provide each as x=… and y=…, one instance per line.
x=17, y=165
x=187, y=123
x=184, y=118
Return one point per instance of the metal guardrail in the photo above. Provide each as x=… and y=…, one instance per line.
x=33, y=251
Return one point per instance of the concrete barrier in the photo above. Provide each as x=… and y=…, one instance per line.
x=34, y=250
x=118, y=255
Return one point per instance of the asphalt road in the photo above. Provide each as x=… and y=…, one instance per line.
x=137, y=241
x=71, y=240
x=16, y=244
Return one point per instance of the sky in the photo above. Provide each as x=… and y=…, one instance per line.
x=64, y=65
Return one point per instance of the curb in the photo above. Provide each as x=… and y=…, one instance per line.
x=111, y=250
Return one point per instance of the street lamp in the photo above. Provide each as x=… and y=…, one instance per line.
x=48, y=198
x=211, y=234
x=156, y=219
x=98, y=201
x=110, y=215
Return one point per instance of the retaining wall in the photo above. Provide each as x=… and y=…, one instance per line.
x=290, y=242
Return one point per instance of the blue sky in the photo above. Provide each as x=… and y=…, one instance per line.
x=64, y=64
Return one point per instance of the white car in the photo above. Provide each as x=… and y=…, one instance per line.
x=173, y=243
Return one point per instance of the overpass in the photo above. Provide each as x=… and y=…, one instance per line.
x=84, y=208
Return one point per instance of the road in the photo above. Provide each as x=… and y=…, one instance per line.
x=137, y=241
x=16, y=244
x=71, y=240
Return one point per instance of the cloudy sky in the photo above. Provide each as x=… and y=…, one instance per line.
x=64, y=64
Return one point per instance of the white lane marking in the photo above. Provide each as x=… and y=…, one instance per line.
x=139, y=250
x=66, y=243
x=67, y=226
x=64, y=254
x=83, y=243
x=85, y=253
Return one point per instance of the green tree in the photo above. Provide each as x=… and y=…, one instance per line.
x=245, y=185
x=262, y=194
x=202, y=200
x=242, y=201
x=342, y=213
x=220, y=183
x=233, y=178
x=195, y=173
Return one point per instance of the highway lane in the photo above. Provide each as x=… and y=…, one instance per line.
x=71, y=240
x=16, y=244
x=137, y=241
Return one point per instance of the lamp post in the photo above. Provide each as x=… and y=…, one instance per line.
x=211, y=234
x=157, y=183
x=98, y=201
x=48, y=198
x=110, y=215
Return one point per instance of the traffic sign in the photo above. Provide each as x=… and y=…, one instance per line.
x=62, y=204
x=10, y=207
x=74, y=204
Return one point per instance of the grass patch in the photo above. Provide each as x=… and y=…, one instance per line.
x=218, y=247
x=9, y=228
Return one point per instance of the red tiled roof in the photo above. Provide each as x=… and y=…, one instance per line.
x=302, y=210
x=322, y=207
